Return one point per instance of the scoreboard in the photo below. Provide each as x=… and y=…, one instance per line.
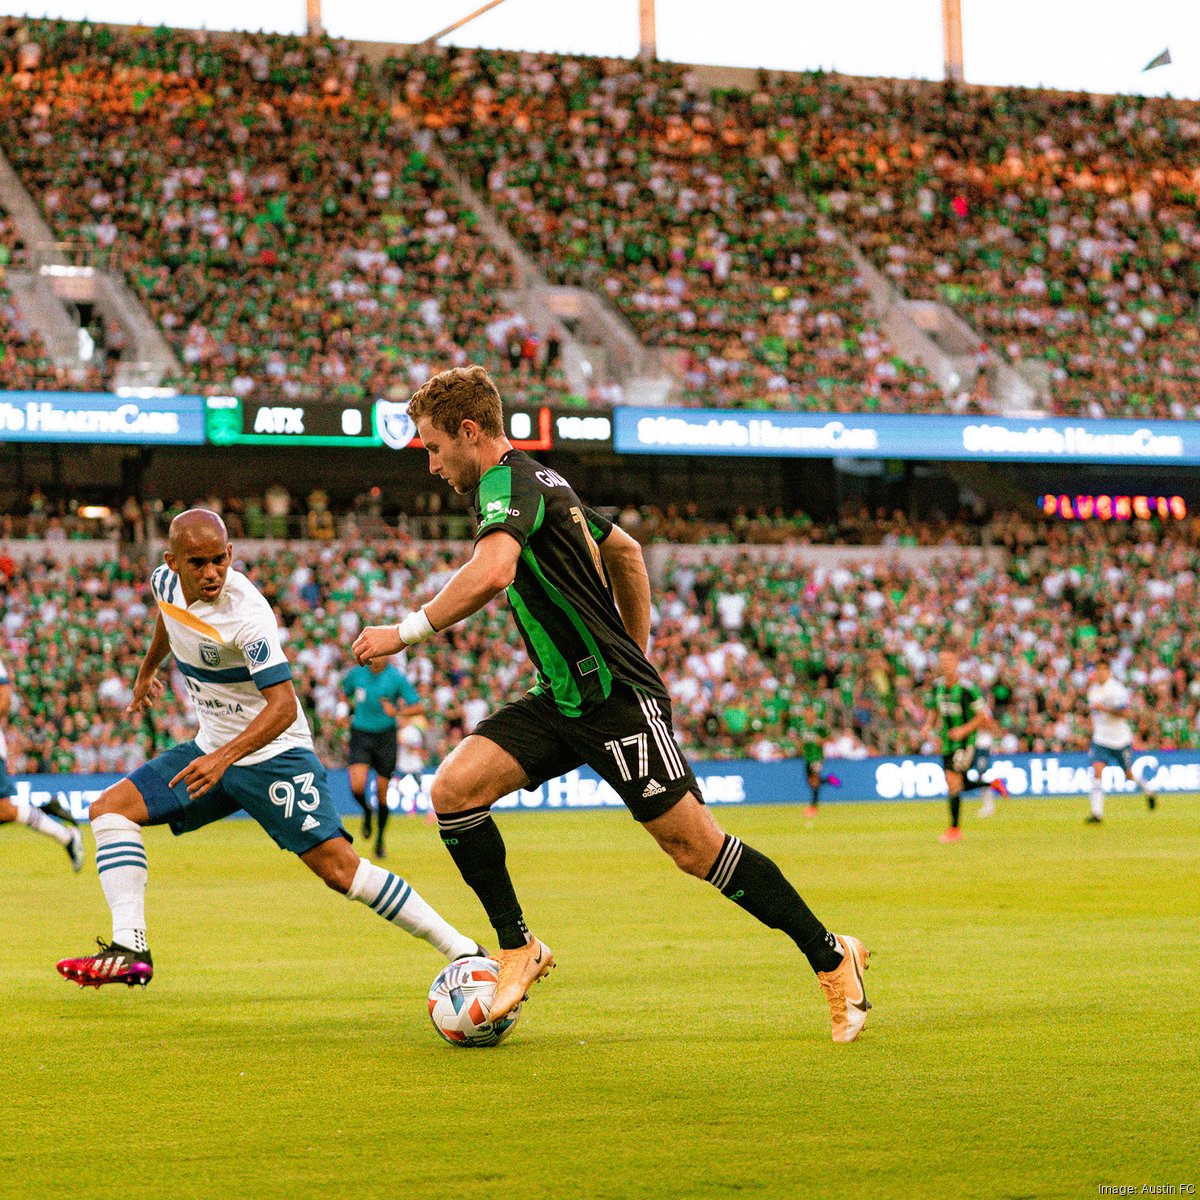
x=231, y=421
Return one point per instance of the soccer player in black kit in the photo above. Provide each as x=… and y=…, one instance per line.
x=579, y=592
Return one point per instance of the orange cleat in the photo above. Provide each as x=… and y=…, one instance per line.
x=811, y=810
x=843, y=988
x=519, y=970
x=953, y=834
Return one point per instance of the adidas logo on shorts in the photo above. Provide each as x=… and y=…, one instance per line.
x=653, y=788
x=310, y=822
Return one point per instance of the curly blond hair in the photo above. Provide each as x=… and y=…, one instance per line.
x=458, y=395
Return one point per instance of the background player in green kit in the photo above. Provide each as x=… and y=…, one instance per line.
x=958, y=711
x=376, y=692
x=579, y=592
x=814, y=733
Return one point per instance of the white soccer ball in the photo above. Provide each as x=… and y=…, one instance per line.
x=460, y=1001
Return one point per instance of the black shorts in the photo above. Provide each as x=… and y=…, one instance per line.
x=376, y=750
x=627, y=741
x=969, y=761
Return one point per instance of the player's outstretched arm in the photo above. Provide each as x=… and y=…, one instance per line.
x=483, y=576
x=147, y=687
x=631, y=583
x=203, y=773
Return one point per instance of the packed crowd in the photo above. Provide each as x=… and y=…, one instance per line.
x=621, y=178
x=278, y=514
x=277, y=216
x=1064, y=227
x=745, y=645
x=25, y=363
x=266, y=208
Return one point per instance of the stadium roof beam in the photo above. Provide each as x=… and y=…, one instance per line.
x=441, y=33
x=952, y=40
x=647, y=38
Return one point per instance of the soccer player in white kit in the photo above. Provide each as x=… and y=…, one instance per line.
x=21, y=812
x=1112, y=736
x=253, y=751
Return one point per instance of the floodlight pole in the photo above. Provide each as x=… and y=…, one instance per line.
x=952, y=40
x=647, y=39
x=312, y=10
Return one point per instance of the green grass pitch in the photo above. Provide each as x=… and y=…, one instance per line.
x=1036, y=991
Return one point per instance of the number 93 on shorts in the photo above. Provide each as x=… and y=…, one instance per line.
x=288, y=795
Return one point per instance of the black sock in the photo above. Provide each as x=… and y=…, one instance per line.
x=360, y=798
x=955, y=805
x=477, y=848
x=381, y=812
x=753, y=882
x=816, y=794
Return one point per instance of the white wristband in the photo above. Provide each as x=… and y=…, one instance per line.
x=415, y=628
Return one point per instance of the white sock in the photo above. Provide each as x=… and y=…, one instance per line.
x=1097, y=800
x=121, y=861
x=396, y=901
x=39, y=822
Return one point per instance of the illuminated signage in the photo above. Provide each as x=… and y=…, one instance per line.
x=101, y=417
x=1114, y=508
x=231, y=421
x=892, y=435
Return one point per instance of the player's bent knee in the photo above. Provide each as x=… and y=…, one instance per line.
x=121, y=798
x=450, y=791
x=333, y=862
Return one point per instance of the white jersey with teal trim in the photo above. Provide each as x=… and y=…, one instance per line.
x=3, y=744
x=1110, y=730
x=227, y=651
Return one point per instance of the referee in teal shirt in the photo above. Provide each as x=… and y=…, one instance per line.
x=379, y=696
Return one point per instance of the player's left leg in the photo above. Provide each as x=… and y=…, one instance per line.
x=382, y=782
x=1127, y=763
x=1097, y=794
x=814, y=785
x=954, y=787
x=41, y=820
x=359, y=772
x=699, y=847
x=289, y=796
x=395, y=900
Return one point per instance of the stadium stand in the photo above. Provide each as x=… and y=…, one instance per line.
x=618, y=177
x=264, y=198
x=266, y=210
x=744, y=642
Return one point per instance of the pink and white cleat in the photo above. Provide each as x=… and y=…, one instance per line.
x=114, y=964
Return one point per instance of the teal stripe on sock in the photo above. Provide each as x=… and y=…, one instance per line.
x=106, y=855
x=387, y=893
x=398, y=905
x=120, y=862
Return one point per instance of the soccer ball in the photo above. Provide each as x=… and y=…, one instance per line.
x=460, y=1001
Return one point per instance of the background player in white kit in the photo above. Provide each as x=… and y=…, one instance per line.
x=63, y=830
x=253, y=751
x=1112, y=736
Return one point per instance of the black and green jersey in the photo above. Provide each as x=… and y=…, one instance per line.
x=814, y=731
x=955, y=704
x=561, y=597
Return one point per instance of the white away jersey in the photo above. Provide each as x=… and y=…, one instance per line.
x=1109, y=730
x=227, y=651
x=3, y=744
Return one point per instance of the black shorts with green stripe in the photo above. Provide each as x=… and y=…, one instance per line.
x=627, y=740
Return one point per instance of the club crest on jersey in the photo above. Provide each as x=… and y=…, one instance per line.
x=258, y=652
x=209, y=654
x=393, y=424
